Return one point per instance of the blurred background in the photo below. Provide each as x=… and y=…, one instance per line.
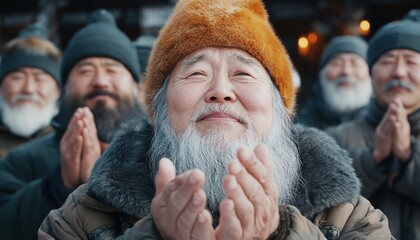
x=305, y=26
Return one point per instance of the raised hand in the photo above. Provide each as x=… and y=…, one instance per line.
x=178, y=207
x=79, y=148
x=71, y=146
x=250, y=210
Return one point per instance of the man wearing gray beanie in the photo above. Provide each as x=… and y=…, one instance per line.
x=29, y=87
x=99, y=73
x=344, y=86
x=385, y=143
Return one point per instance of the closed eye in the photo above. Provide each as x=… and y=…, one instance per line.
x=242, y=73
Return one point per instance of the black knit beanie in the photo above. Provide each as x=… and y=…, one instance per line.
x=343, y=44
x=100, y=38
x=395, y=35
x=18, y=57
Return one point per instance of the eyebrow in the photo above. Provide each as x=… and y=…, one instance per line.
x=244, y=59
x=191, y=61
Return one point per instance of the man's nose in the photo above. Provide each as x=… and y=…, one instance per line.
x=100, y=81
x=221, y=90
x=30, y=85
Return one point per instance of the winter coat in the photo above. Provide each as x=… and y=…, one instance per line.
x=9, y=140
x=398, y=199
x=115, y=203
x=30, y=187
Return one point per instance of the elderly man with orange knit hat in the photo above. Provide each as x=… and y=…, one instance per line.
x=219, y=158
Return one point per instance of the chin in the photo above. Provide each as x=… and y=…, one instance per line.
x=223, y=133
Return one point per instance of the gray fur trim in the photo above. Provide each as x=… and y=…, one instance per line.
x=328, y=175
x=121, y=177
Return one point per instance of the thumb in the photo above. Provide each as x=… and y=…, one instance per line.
x=166, y=173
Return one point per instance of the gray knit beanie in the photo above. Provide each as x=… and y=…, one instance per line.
x=395, y=35
x=18, y=57
x=100, y=38
x=413, y=15
x=343, y=44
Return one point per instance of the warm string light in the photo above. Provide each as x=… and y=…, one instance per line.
x=364, y=27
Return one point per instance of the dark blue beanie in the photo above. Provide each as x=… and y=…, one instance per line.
x=395, y=35
x=100, y=38
x=18, y=57
x=343, y=44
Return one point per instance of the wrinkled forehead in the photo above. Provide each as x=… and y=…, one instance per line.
x=213, y=54
x=406, y=53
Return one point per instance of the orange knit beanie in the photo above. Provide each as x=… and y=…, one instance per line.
x=197, y=24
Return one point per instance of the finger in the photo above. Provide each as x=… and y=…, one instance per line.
x=90, y=123
x=261, y=153
x=166, y=173
x=252, y=164
x=203, y=228
x=180, y=197
x=229, y=224
x=90, y=154
x=70, y=161
x=75, y=125
x=244, y=206
x=186, y=220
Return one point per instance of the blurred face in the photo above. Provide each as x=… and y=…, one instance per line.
x=346, y=83
x=98, y=80
x=397, y=74
x=347, y=65
x=29, y=86
x=28, y=101
x=226, y=77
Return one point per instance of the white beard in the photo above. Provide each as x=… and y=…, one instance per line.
x=210, y=152
x=345, y=100
x=25, y=120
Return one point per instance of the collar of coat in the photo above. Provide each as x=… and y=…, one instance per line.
x=121, y=177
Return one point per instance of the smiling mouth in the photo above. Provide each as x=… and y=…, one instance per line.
x=219, y=117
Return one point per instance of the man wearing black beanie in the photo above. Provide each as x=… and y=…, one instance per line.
x=29, y=87
x=385, y=143
x=100, y=73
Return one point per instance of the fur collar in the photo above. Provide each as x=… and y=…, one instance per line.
x=121, y=177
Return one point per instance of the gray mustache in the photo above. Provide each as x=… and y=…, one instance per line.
x=341, y=80
x=398, y=83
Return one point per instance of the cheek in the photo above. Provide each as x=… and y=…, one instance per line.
x=260, y=109
x=10, y=90
x=362, y=73
x=331, y=73
x=50, y=93
x=181, y=108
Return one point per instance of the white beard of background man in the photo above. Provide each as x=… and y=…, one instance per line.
x=345, y=94
x=25, y=119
